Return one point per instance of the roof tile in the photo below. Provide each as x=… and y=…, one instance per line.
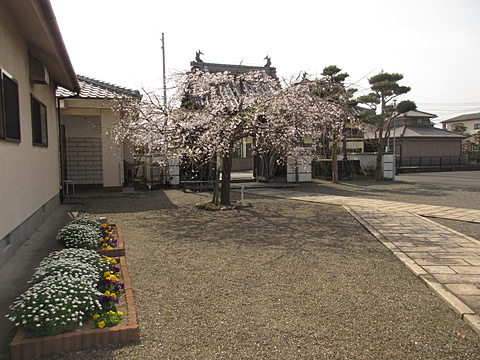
x=96, y=89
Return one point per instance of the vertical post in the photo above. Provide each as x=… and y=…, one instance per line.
x=164, y=75
x=394, y=153
x=394, y=150
x=242, y=194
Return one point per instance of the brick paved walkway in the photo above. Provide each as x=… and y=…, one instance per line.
x=448, y=261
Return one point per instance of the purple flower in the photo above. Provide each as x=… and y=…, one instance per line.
x=105, y=299
x=114, y=269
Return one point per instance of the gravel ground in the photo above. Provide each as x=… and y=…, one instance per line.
x=280, y=279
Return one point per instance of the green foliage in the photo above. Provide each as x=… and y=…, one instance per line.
x=108, y=319
x=332, y=74
x=385, y=87
x=332, y=86
x=405, y=106
x=460, y=129
x=370, y=100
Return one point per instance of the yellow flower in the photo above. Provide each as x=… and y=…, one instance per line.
x=104, y=225
x=106, y=275
x=101, y=324
x=108, y=293
x=119, y=313
x=109, y=259
x=111, y=312
x=96, y=316
x=113, y=278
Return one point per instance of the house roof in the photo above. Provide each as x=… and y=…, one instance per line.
x=407, y=131
x=96, y=89
x=38, y=26
x=415, y=131
x=416, y=114
x=465, y=117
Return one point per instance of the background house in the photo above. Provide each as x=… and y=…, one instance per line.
x=33, y=61
x=89, y=156
x=469, y=122
x=418, y=143
x=468, y=125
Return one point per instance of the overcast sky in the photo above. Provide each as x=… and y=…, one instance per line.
x=435, y=44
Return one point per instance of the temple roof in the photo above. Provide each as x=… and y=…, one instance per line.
x=198, y=63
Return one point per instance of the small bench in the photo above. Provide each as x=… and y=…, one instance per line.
x=198, y=185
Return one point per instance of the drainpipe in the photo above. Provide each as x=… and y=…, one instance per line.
x=60, y=150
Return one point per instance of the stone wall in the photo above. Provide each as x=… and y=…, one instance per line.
x=84, y=160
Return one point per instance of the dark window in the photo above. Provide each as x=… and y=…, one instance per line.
x=476, y=126
x=9, y=109
x=39, y=123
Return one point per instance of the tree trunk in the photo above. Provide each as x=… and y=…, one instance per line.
x=226, y=177
x=378, y=166
x=334, y=162
x=216, y=188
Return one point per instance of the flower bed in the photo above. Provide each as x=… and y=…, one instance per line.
x=86, y=233
x=119, y=250
x=24, y=347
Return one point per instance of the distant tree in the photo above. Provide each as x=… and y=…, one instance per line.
x=211, y=113
x=460, y=129
x=382, y=109
x=337, y=92
x=313, y=109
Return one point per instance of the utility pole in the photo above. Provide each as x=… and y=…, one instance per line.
x=164, y=75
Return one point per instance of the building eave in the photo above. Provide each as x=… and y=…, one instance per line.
x=37, y=23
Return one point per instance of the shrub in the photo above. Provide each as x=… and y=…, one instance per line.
x=55, y=305
x=86, y=221
x=87, y=256
x=78, y=236
x=68, y=268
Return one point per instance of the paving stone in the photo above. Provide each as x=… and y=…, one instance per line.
x=420, y=255
x=457, y=278
x=473, y=270
x=436, y=261
x=463, y=289
x=430, y=249
x=439, y=270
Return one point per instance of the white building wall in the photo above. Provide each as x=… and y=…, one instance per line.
x=112, y=152
x=30, y=174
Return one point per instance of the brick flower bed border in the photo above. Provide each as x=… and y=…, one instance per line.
x=23, y=348
x=120, y=249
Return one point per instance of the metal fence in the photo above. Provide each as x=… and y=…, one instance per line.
x=434, y=161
